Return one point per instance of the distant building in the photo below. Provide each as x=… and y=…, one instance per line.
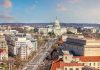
x=55, y=28
x=43, y=31
x=90, y=29
x=27, y=28
x=5, y=27
x=65, y=36
x=10, y=32
x=72, y=30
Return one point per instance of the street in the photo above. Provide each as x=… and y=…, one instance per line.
x=40, y=56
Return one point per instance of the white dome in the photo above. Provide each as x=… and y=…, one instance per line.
x=57, y=23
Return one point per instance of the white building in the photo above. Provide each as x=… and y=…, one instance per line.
x=10, y=32
x=28, y=28
x=43, y=31
x=56, y=28
x=18, y=43
x=24, y=47
x=91, y=29
x=72, y=29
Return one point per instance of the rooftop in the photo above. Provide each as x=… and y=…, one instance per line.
x=88, y=58
x=61, y=64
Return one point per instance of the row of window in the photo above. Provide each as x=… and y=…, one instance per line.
x=93, y=64
x=72, y=69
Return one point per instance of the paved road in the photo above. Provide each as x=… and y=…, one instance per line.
x=40, y=56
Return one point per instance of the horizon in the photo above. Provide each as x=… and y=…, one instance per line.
x=45, y=11
x=47, y=23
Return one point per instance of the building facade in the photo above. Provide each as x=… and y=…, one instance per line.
x=70, y=62
x=83, y=46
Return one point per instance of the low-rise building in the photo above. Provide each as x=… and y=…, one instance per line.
x=70, y=62
x=89, y=29
x=72, y=30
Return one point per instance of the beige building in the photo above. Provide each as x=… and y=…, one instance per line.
x=43, y=31
x=83, y=46
x=27, y=28
x=3, y=47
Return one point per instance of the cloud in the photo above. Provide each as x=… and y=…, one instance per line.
x=7, y=4
x=94, y=12
x=61, y=8
x=73, y=1
x=5, y=17
x=88, y=14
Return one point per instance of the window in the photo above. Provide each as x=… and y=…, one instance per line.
x=65, y=68
x=65, y=57
x=77, y=68
x=98, y=64
x=83, y=64
x=90, y=64
x=71, y=68
x=94, y=64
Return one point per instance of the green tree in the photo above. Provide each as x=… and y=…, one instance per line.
x=18, y=61
x=51, y=34
x=55, y=46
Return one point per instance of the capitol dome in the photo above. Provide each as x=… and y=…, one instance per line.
x=56, y=23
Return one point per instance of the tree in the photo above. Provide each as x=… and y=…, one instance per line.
x=31, y=31
x=18, y=61
x=51, y=34
x=69, y=32
x=55, y=46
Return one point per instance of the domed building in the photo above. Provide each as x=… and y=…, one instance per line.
x=56, y=27
x=56, y=24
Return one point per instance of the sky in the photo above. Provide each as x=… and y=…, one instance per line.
x=45, y=11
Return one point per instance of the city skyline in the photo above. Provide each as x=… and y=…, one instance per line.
x=44, y=11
